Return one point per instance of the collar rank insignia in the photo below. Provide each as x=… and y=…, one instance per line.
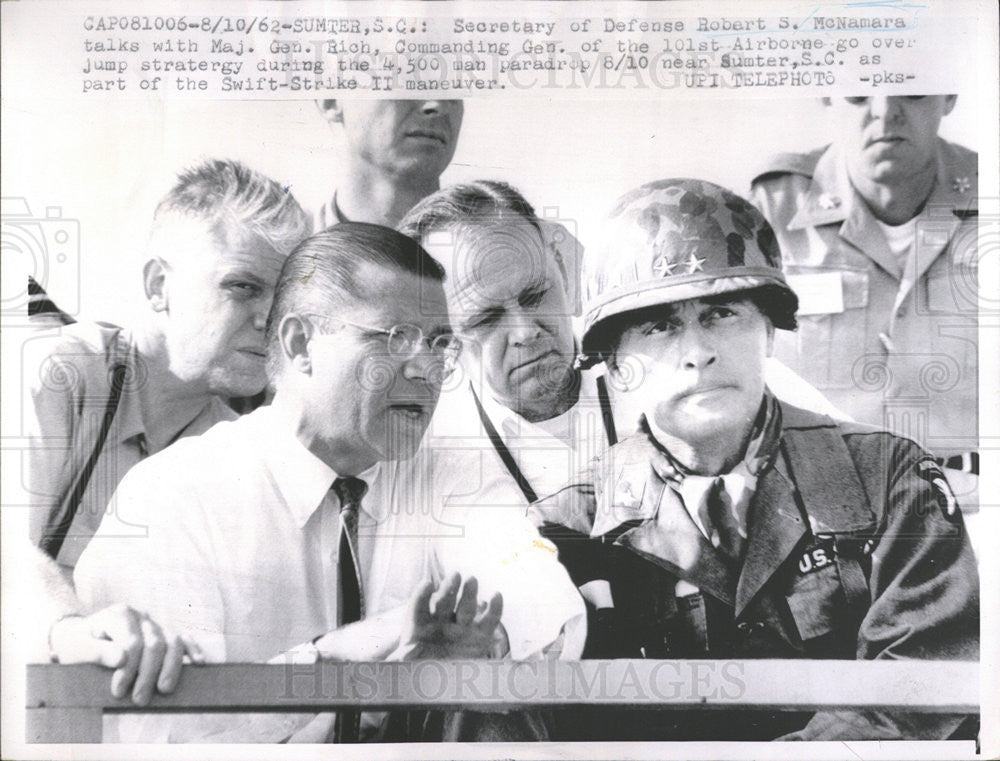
x=961, y=184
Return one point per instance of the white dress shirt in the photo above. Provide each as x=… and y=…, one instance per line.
x=232, y=537
x=549, y=453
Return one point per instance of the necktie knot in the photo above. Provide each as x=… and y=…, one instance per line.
x=350, y=491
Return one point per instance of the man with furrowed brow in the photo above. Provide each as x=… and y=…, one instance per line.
x=309, y=529
x=521, y=416
x=732, y=524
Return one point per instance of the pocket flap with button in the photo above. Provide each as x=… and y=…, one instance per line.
x=814, y=595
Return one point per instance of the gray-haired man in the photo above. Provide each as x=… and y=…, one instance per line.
x=103, y=398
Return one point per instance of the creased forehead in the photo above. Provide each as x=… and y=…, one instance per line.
x=481, y=257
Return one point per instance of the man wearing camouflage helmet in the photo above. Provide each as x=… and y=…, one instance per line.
x=734, y=525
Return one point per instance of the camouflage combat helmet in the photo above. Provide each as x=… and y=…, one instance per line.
x=680, y=239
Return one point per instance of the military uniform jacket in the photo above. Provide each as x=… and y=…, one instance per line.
x=893, y=351
x=855, y=549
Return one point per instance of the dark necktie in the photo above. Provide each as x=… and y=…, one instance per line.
x=351, y=605
x=721, y=517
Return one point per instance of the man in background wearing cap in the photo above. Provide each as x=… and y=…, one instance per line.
x=878, y=237
x=733, y=525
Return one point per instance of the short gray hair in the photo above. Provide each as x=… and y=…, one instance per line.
x=231, y=197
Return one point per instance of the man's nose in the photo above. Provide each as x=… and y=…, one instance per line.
x=424, y=368
x=436, y=107
x=697, y=349
x=262, y=309
x=522, y=329
x=886, y=108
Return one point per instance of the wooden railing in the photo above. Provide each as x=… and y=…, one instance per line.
x=67, y=703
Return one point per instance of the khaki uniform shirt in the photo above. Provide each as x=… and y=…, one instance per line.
x=891, y=344
x=68, y=373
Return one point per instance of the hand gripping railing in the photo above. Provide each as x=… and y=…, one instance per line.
x=67, y=703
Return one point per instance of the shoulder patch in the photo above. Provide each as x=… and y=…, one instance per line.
x=928, y=470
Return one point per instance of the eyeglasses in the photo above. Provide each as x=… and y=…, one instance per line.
x=405, y=341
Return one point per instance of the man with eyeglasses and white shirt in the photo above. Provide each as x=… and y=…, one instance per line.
x=308, y=529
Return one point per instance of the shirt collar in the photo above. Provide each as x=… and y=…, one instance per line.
x=330, y=214
x=300, y=476
x=129, y=423
x=764, y=440
x=831, y=197
x=511, y=426
x=739, y=484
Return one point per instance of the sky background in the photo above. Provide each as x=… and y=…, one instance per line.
x=105, y=164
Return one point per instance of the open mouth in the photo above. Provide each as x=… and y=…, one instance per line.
x=411, y=411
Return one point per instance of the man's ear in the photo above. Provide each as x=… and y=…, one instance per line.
x=331, y=111
x=293, y=337
x=770, y=338
x=154, y=281
x=949, y=103
x=620, y=373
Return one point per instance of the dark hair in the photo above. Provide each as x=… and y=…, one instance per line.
x=476, y=206
x=486, y=201
x=774, y=302
x=231, y=197
x=323, y=270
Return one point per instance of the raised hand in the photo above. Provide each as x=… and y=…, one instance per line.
x=449, y=622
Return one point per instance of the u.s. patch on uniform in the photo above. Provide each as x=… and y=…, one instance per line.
x=945, y=497
x=818, y=555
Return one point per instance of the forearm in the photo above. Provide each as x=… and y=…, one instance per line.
x=53, y=598
x=373, y=639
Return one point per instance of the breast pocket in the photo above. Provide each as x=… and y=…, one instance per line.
x=814, y=594
x=951, y=290
x=833, y=323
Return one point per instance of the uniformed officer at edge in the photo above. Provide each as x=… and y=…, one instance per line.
x=734, y=525
x=878, y=237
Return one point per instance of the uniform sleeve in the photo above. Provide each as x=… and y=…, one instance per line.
x=924, y=587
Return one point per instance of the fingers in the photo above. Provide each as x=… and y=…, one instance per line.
x=491, y=616
x=420, y=608
x=154, y=649
x=170, y=671
x=121, y=625
x=192, y=649
x=443, y=602
x=465, y=611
